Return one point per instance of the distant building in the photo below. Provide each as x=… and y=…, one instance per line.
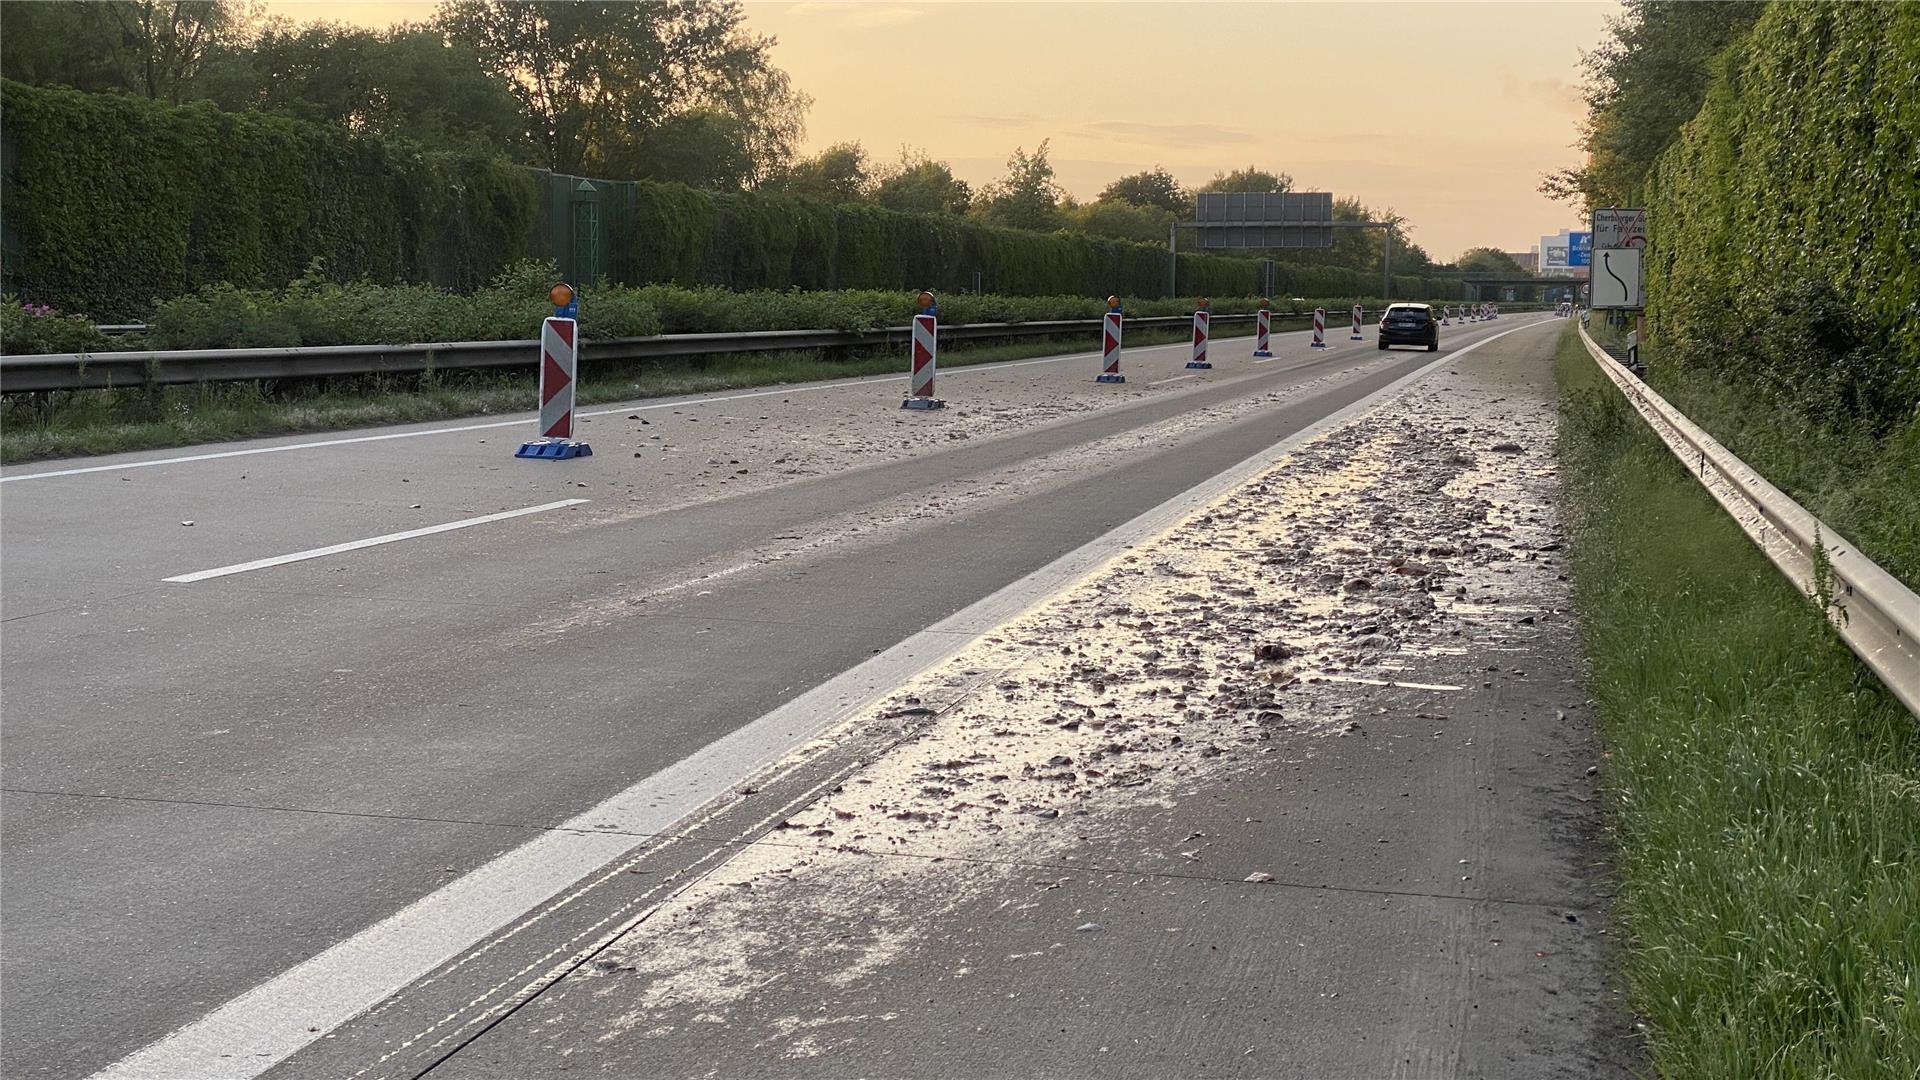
x=1528, y=260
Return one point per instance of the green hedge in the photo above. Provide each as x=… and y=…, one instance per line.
x=115, y=201
x=313, y=311
x=667, y=233
x=1784, y=226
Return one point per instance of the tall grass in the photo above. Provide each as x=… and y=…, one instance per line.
x=1765, y=789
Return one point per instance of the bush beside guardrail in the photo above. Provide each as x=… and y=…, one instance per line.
x=1876, y=613
x=316, y=312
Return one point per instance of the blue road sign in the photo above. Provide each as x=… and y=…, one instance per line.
x=1580, y=249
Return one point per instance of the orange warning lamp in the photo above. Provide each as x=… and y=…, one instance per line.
x=924, y=300
x=1113, y=303
x=1266, y=304
x=1203, y=303
x=561, y=295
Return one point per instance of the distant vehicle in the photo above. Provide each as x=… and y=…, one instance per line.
x=1410, y=324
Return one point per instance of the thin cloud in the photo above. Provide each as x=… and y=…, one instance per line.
x=980, y=120
x=1165, y=134
x=857, y=14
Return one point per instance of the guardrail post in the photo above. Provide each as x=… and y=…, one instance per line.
x=1110, y=344
x=926, y=345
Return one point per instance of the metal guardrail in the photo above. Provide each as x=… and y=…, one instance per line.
x=105, y=370
x=101, y=370
x=1876, y=614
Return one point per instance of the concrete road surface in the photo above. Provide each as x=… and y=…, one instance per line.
x=387, y=658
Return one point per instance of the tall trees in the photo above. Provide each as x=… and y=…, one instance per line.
x=153, y=48
x=601, y=86
x=837, y=174
x=407, y=81
x=703, y=148
x=1486, y=260
x=1647, y=79
x=1151, y=187
x=1250, y=178
x=1027, y=197
x=594, y=76
x=920, y=185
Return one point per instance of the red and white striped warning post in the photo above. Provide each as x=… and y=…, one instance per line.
x=1470, y=316
x=1319, y=328
x=1356, y=324
x=559, y=370
x=1110, y=344
x=1446, y=315
x=926, y=345
x=559, y=362
x=1202, y=328
x=1263, y=330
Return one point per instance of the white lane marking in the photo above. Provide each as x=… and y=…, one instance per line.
x=1176, y=378
x=269, y=1023
x=681, y=402
x=371, y=541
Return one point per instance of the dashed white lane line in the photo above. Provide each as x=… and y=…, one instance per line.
x=1176, y=378
x=371, y=541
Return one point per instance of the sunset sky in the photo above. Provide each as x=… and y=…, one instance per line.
x=1445, y=112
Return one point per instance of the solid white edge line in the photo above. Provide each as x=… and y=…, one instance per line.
x=679, y=402
x=269, y=1023
x=371, y=541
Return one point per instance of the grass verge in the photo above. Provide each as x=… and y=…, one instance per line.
x=1765, y=788
x=76, y=423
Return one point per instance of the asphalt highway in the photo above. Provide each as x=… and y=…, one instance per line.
x=211, y=779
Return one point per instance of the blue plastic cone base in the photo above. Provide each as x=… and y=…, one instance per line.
x=1320, y=345
x=1200, y=364
x=1264, y=354
x=923, y=403
x=554, y=449
x=1110, y=378
x=1355, y=337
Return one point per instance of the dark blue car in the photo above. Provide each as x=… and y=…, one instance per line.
x=1410, y=324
